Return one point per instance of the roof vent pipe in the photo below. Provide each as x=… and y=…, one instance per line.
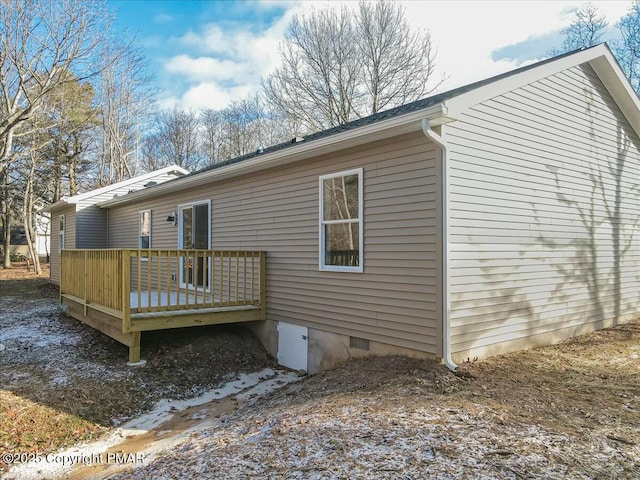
x=446, y=299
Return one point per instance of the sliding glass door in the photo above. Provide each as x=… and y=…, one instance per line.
x=195, y=228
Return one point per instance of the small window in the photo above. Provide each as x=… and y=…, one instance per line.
x=341, y=221
x=61, y=225
x=144, y=226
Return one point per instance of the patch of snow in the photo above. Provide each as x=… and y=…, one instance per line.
x=29, y=323
x=267, y=386
x=165, y=409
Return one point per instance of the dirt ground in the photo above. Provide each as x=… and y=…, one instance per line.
x=561, y=412
x=565, y=411
x=62, y=382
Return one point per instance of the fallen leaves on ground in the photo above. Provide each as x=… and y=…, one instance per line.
x=558, y=412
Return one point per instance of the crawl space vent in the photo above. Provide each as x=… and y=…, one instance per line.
x=359, y=343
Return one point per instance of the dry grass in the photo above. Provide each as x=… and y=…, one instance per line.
x=29, y=427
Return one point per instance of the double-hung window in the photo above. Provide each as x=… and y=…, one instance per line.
x=144, y=229
x=61, y=225
x=341, y=234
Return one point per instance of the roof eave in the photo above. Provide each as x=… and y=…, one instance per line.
x=146, y=176
x=63, y=202
x=407, y=123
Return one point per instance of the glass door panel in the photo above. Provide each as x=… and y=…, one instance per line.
x=194, y=234
x=201, y=239
x=186, y=239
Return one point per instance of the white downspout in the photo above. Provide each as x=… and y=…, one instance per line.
x=446, y=300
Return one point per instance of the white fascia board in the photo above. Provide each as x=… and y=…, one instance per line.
x=382, y=129
x=63, y=202
x=615, y=81
x=147, y=176
x=600, y=58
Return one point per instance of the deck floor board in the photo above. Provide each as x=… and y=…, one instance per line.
x=161, y=299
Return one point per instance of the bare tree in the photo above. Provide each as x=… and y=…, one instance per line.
x=7, y=200
x=318, y=79
x=28, y=204
x=39, y=39
x=398, y=62
x=176, y=136
x=151, y=154
x=628, y=49
x=337, y=66
x=243, y=127
x=587, y=29
x=211, y=136
x=126, y=102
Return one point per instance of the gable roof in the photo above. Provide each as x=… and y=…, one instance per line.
x=135, y=183
x=439, y=109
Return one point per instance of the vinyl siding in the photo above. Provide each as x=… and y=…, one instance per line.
x=92, y=221
x=393, y=301
x=69, y=239
x=543, y=200
x=92, y=227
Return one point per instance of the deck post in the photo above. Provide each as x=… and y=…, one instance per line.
x=126, y=292
x=63, y=268
x=134, y=348
x=84, y=299
x=263, y=285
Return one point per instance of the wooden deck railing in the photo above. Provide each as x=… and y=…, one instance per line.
x=133, y=281
x=95, y=276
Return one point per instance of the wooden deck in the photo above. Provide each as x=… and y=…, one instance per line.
x=125, y=292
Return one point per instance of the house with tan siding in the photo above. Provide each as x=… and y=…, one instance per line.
x=497, y=216
x=77, y=221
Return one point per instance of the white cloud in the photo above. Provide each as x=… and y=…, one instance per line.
x=209, y=69
x=206, y=95
x=467, y=33
x=224, y=61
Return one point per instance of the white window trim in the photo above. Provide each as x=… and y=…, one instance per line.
x=61, y=233
x=322, y=222
x=140, y=212
x=180, y=212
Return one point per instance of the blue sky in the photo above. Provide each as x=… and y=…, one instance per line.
x=209, y=53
